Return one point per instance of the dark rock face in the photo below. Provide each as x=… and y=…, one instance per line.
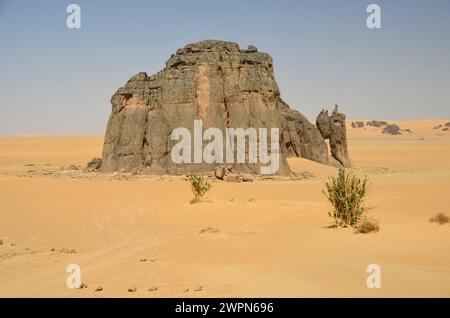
x=377, y=123
x=333, y=128
x=357, y=124
x=392, y=129
x=94, y=164
x=323, y=123
x=225, y=87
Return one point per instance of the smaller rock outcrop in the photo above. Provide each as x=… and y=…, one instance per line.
x=94, y=164
x=392, y=129
x=228, y=174
x=443, y=127
x=357, y=124
x=377, y=123
x=333, y=128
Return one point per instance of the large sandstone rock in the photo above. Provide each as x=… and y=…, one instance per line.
x=217, y=82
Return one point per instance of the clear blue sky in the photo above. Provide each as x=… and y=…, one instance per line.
x=55, y=80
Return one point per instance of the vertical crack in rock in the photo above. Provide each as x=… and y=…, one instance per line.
x=203, y=92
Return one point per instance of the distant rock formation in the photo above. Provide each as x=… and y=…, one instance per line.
x=444, y=127
x=225, y=87
x=377, y=123
x=392, y=129
x=357, y=124
x=333, y=128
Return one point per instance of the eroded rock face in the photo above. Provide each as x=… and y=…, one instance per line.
x=333, y=128
x=217, y=82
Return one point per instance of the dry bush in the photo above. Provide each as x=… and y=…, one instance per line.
x=199, y=187
x=367, y=226
x=346, y=193
x=440, y=218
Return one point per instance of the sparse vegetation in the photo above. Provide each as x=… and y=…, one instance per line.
x=199, y=187
x=346, y=193
x=367, y=226
x=440, y=218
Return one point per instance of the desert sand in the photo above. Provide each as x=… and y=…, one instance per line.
x=268, y=238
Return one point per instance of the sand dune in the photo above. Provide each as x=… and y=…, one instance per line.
x=266, y=238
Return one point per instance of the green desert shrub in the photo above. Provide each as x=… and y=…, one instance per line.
x=199, y=187
x=346, y=193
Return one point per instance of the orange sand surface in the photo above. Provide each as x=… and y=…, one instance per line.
x=268, y=238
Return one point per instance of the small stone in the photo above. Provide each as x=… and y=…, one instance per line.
x=132, y=290
x=199, y=288
x=186, y=290
x=99, y=288
x=143, y=260
x=219, y=172
x=247, y=178
x=151, y=289
x=94, y=164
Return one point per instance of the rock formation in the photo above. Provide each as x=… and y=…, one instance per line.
x=225, y=87
x=333, y=128
x=357, y=124
x=377, y=123
x=392, y=129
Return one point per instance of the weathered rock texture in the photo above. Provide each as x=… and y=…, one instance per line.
x=220, y=84
x=333, y=128
x=377, y=123
x=392, y=129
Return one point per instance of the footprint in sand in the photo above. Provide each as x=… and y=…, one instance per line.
x=249, y=231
